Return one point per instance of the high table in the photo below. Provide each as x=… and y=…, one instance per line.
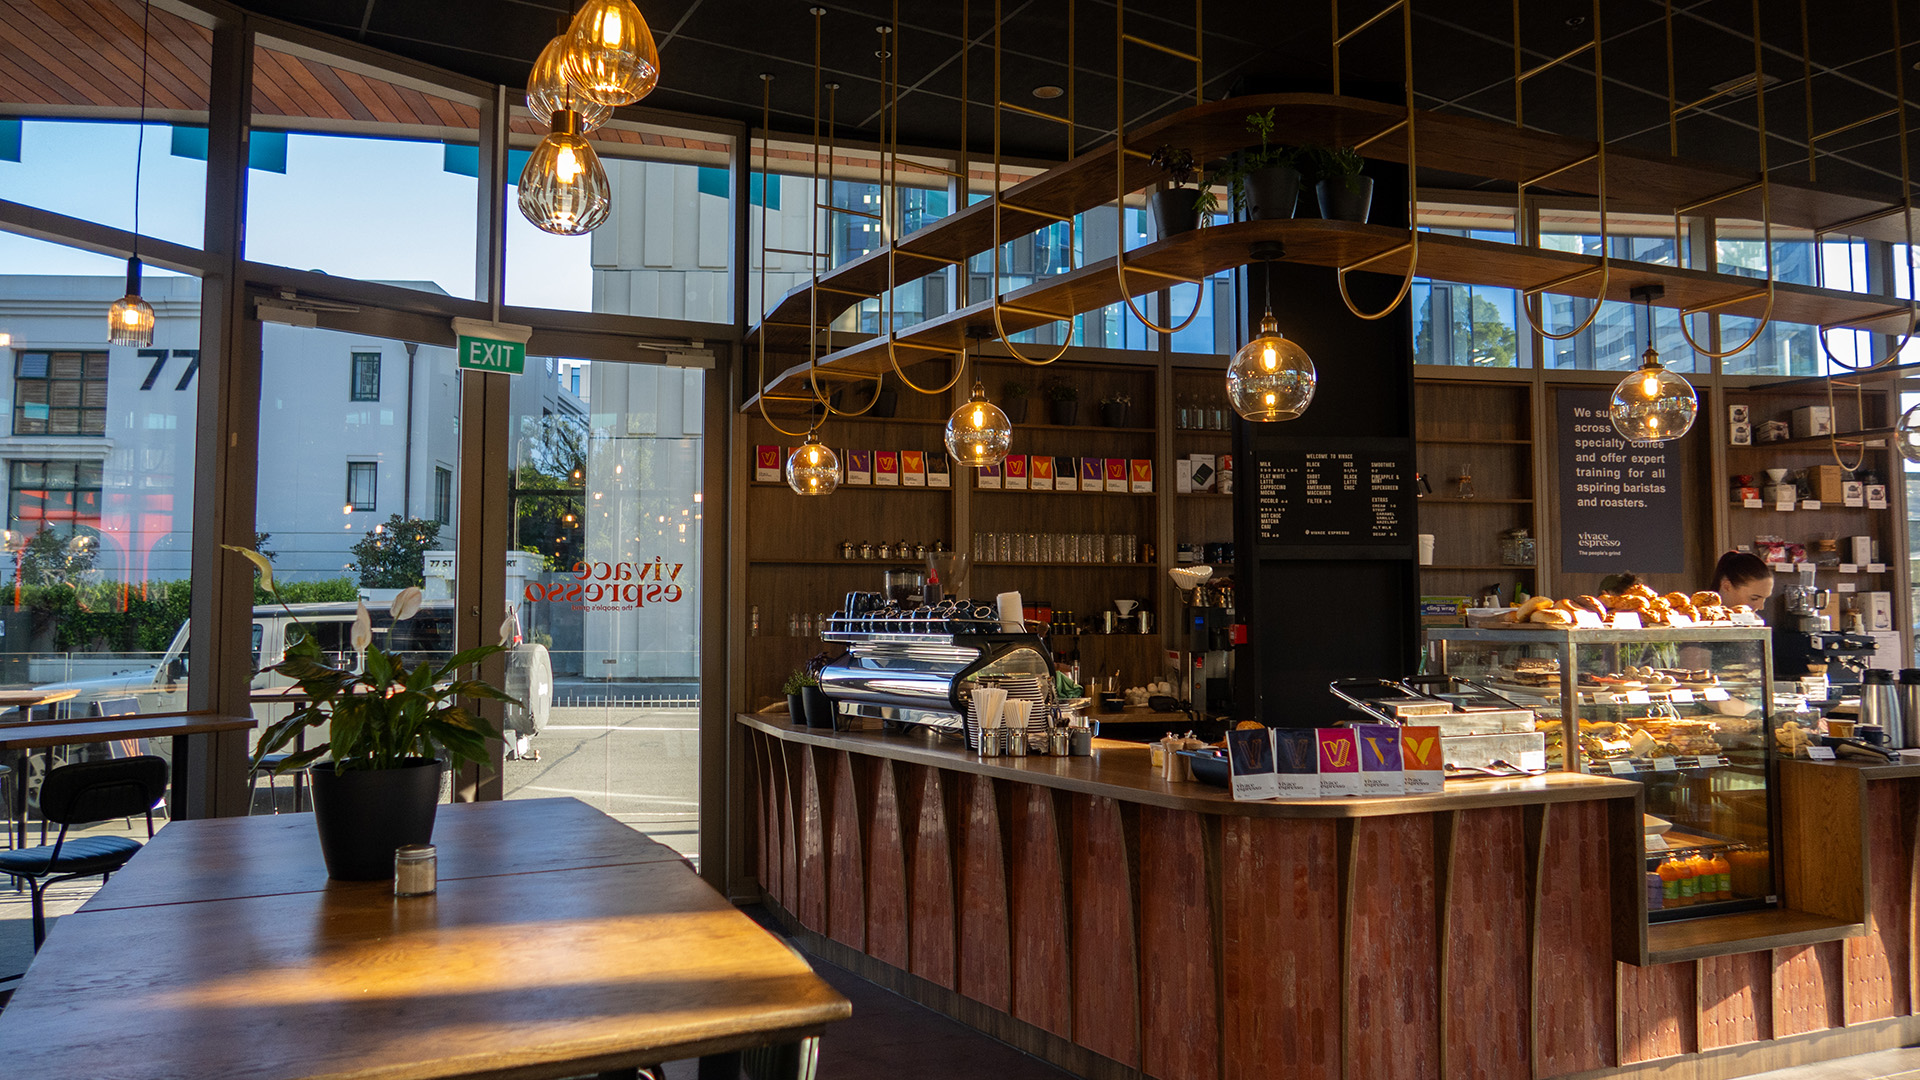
x=560, y=943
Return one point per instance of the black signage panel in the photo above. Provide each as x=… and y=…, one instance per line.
x=1333, y=498
x=1619, y=501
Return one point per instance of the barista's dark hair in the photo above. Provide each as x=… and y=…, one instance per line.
x=1738, y=568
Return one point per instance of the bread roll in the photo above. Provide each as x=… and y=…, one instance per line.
x=1590, y=603
x=1552, y=617
x=1642, y=592
x=1678, y=599
x=1526, y=610
x=1707, y=598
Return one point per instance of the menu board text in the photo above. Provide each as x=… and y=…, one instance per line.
x=1350, y=493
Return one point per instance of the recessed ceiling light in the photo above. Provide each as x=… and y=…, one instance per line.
x=1047, y=92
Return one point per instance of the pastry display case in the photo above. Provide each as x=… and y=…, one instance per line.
x=1681, y=710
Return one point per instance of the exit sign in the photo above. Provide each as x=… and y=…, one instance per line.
x=489, y=354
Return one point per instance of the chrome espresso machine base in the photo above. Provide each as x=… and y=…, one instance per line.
x=925, y=679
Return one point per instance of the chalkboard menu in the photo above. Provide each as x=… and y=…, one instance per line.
x=1332, y=497
x=1620, y=503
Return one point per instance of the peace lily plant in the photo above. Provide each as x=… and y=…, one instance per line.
x=386, y=713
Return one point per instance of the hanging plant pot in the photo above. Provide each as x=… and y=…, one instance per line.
x=364, y=814
x=818, y=707
x=1272, y=193
x=1344, y=201
x=1173, y=211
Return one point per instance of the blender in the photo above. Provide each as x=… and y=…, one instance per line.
x=1806, y=605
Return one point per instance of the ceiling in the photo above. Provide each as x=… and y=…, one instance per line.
x=713, y=53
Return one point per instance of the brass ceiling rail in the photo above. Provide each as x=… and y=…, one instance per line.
x=1406, y=124
x=1121, y=39
x=1000, y=106
x=1598, y=158
x=1314, y=242
x=1764, y=184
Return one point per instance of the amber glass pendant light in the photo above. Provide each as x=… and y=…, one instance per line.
x=813, y=469
x=978, y=433
x=1652, y=404
x=130, y=319
x=1271, y=378
x=549, y=91
x=609, y=54
x=563, y=188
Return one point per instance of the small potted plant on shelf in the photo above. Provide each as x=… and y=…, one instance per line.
x=1345, y=195
x=1114, y=409
x=813, y=700
x=1176, y=209
x=1268, y=184
x=1013, y=401
x=390, y=730
x=1063, y=404
x=795, y=688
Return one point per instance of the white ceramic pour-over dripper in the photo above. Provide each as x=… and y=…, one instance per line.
x=1125, y=607
x=1778, y=476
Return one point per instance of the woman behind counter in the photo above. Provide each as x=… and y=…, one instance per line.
x=1741, y=578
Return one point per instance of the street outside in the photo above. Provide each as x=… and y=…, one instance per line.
x=638, y=763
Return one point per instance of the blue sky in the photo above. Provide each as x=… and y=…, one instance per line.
x=377, y=209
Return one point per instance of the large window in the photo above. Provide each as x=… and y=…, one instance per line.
x=363, y=483
x=62, y=393
x=443, y=495
x=59, y=497
x=366, y=376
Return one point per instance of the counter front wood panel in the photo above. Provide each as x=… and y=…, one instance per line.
x=1573, y=1027
x=1657, y=1013
x=931, y=931
x=847, y=855
x=1178, y=991
x=1106, y=966
x=1039, y=893
x=1392, y=955
x=1736, y=999
x=1280, y=960
x=985, y=973
x=1485, y=978
x=815, y=806
x=1807, y=985
x=886, y=867
x=1878, y=979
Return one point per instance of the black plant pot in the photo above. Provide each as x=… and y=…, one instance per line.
x=1016, y=409
x=796, y=708
x=1272, y=193
x=1173, y=211
x=364, y=814
x=1113, y=414
x=1342, y=202
x=1063, y=413
x=819, y=707
x=884, y=403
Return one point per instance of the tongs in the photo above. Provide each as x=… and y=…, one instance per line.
x=1375, y=708
x=1497, y=769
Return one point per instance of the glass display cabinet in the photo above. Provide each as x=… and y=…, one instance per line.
x=1681, y=710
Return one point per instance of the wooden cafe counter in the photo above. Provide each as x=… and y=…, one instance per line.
x=1111, y=921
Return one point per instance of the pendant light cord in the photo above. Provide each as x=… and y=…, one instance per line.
x=140, y=142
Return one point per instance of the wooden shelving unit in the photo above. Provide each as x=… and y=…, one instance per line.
x=1485, y=425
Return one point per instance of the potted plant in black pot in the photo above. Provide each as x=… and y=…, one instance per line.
x=1114, y=409
x=1345, y=195
x=391, y=729
x=795, y=688
x=1063, y=404
x=1268, y=182
x=1176, y=209
x=813, y=700
x=1013, y=401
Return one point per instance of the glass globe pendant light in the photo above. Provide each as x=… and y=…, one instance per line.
x=549, y=91
x=130, y=319
x=813, y=469
x=1652, y=404
x=1906, y=437
x=610, y=54
x=1271, y=378
x=563, y=188
x=978, y=433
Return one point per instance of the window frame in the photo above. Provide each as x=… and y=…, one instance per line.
x=371, y=469
x=81, y=409
x=354, y=367
x=47, y=489
x=443, y=495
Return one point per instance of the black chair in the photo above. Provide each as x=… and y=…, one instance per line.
x=79, y=795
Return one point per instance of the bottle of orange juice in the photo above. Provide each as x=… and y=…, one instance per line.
x=1723, y=876
x=1670, y=875
x=1706, y=882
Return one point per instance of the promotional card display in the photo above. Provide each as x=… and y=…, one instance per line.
x=913, y=468
x=768, y=461
x=1379, y=759
x=1296, y=763
x=1339, y=762
x=1065, y=476
x=1140, y=475
x=1014, y=469
x=1250, y=762
x=1093, y=474
x=859, y=467
x=1040, y=473
x=886, y=468
x=1115, y=469
x=1422, y=766
x=989, y=477
x=938, y=473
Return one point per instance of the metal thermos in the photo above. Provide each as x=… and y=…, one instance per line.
x=1908, y=733
x=1880, y=704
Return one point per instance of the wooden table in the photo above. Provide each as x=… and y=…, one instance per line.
x=18, y=739
x=560, y=943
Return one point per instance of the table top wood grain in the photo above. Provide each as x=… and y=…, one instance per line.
x=28, y=736
x=524, y=973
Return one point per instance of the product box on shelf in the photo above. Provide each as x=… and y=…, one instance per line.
x=939, y=474
x=1876, y=496
x=1223, y=477
x=1183, y=477
x=1879, y=611
x=1858, y=550
x=913, y=468
x=886, y=468
x=1014, y=469
x=1740, y=434
x=989, y=477
x=1115, y=470
x=1771, y=431
x=768, y=461
x=1203, y=471
x=1066, y=476
x=1826, y=483
x=859, y=467
x=1093, y=474
x=1810, y=420
x=1140, y=475
x=1040, y=472
x=1853, y=493
x=1737, y=414
x=1444, y=610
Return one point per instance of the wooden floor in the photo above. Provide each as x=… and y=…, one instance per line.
x=1886, y=1065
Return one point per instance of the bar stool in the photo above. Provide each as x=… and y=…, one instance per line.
x=265, y=768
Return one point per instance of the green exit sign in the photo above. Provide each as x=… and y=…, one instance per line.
x=489, y=354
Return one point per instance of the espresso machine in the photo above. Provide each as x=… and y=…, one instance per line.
x=1805, y=637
